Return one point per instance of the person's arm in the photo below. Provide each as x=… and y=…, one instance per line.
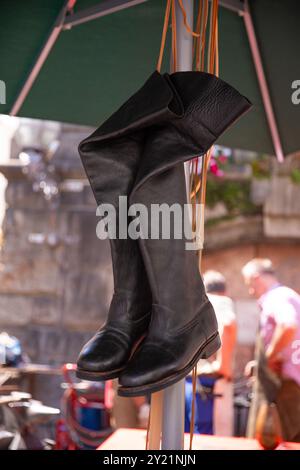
x=226, y=353
x=286, y=320
x=250, y=368
x=222, y=365
x=282, y=337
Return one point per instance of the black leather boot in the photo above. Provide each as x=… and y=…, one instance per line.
x=111, y=168
x=111, y=158
x=169, y=120
x=183, y=326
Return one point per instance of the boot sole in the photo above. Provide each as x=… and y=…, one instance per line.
x=98, y=376
x=207, y=350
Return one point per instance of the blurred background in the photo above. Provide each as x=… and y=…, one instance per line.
x=55, y=275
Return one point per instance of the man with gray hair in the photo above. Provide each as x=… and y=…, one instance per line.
x=280, y=339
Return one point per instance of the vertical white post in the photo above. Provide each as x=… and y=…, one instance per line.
x=184, y=38
x=174, y=402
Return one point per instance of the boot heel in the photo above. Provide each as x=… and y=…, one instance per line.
x=211, y=347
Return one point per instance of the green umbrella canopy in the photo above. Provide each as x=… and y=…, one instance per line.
x=95, y=66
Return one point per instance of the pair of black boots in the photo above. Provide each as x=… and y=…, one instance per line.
x=160, y=322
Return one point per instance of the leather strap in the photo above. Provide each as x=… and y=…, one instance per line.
x=197, y=185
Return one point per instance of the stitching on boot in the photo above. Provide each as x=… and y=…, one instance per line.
x=192, y=322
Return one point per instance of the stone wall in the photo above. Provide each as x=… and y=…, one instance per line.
x=55, y=275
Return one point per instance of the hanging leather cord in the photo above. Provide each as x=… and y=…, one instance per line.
x=196, y=42
x=197, y=185
x=217, y=49
x=192, y=425
x=203, y=34
x=174, y=37
x=213, y=65
x=200, y=53
x=164, y=35
x=188, y=28
x=148, y=431
x=212, y=48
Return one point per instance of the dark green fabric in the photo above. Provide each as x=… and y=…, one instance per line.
x=94, y=67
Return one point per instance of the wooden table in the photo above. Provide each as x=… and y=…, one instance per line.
x=135, y=439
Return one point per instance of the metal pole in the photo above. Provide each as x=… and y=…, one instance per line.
x=234, y=5
x=106, y=7
x=174, y=402
x=263, y=83
x=154, y=433
x=51, y=40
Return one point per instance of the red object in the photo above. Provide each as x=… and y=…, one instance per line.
x=108, y=395
x=72, y=431
x=63, y=440
x=135, y=439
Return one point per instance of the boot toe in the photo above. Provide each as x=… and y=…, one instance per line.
x=150, y=364
x=102, y=355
